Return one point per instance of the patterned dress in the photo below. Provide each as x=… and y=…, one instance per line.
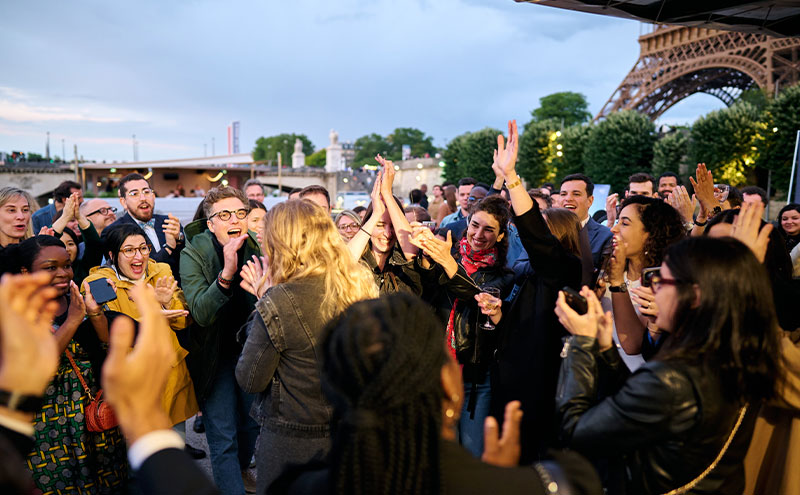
x=66, y=457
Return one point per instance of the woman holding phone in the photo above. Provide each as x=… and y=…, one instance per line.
x=129, y=263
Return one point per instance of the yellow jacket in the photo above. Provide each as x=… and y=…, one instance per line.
x=179, y=400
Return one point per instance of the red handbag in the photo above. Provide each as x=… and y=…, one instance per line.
x=98, y=414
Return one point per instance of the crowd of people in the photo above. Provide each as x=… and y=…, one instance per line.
x=488, y=338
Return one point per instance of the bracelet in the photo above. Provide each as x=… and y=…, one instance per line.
x=223, y=281
x=514, y=184
x=700, y=224
x=92, y=315
x=364, y=231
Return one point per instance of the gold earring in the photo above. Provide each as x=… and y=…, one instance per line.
x=450, y=412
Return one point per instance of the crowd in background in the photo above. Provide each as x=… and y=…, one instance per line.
x=483, y=338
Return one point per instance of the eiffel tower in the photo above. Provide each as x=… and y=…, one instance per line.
x=678, y=61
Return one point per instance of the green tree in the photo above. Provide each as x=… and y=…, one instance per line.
x=34, y=157
x=368, y=146
x=779, y=137
x=727, y=141
x=419, y=142
x=267, y=148
x=470, y=155
x=537, y=151
x=619, y=146
x=669, y=152
x=317, y=159
x=573, y=141
x=566, y=106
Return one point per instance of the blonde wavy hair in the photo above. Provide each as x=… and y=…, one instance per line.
x=300, y=240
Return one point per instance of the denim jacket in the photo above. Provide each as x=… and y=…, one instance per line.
x=281, y=360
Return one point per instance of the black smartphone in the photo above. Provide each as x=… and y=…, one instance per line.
x=575, y=300
x=102, y=292
x=648, y=274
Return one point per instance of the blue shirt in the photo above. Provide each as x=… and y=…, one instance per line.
x=453, y=217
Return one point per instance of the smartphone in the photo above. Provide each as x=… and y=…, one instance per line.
x=575, y=300
x=102, y=291
x=430, y=225
x=647, y=275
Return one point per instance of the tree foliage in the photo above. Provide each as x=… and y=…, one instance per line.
x=619, y=146
x=670, y=152
x=370, y=145
x=566, y=106
x=267, y=148
x=726, y=140
x=317, y=159
x=537, y=150
x=420, y=143
x=783, y=114
x=470, y=155
x=573, y=141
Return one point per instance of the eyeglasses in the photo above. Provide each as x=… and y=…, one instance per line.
x=349, y=226
x=130, y=252
x=225, y=215
x=136, y=193
x=651, y=277
x=103, y=211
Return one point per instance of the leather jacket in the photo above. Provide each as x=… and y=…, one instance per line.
x=473, y=346
x=666, y=424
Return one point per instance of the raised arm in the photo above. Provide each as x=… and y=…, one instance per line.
x=402, y=228
x=359, y=242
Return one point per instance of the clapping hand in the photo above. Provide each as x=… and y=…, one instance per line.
x=594, y=323
x=611, y=209
x=704, y=187
x=172, y=230
x=28, y=350
x=230, y=255
x=255, y=276
x=505, y=156
x=503, y=450
x=680, y=200
x=748, y=230
x=164, y=290
x=139, y=408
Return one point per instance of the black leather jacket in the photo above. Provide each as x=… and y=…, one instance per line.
x=666, y=424
x=473, y=345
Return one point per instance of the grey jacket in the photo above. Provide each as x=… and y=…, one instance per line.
x=281, y=360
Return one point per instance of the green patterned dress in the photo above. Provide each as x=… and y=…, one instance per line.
x=66, y=457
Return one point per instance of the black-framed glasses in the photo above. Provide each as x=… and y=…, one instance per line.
x=103, y=211
x=130, y=252
x=225, y=215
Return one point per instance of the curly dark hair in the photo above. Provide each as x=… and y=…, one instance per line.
x=497, y=207
x=663, y=224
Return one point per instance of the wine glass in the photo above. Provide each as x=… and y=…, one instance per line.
x=494, y=292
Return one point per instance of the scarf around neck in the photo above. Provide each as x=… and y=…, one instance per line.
x=472, y=260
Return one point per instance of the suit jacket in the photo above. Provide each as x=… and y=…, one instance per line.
x=160, y=256
x=173, y=472
x=599, y=240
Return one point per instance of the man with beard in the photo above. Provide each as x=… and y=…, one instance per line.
x=164, y=232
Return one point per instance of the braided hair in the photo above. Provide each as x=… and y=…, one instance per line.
x=382, y=373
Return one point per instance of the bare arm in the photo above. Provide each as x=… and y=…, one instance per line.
x=359, y=242
x=402, y=228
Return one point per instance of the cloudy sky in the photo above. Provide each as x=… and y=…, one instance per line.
x=176, y=73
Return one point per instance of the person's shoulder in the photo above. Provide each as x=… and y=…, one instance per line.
x=125, y=218
x=48, y=209
x=598, y=228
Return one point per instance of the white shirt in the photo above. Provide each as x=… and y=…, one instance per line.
x=632, y=361
x=151, y=234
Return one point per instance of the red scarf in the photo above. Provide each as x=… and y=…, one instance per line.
x=471, y=261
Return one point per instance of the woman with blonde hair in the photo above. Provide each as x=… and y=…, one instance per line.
x=305, y=277
x=15, y=216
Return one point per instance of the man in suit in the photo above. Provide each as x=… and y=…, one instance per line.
x=576, y=196
x=44, y=216
x=164, y=232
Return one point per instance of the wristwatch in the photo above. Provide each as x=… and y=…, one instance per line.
x=618, y=288
x=19, y=402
